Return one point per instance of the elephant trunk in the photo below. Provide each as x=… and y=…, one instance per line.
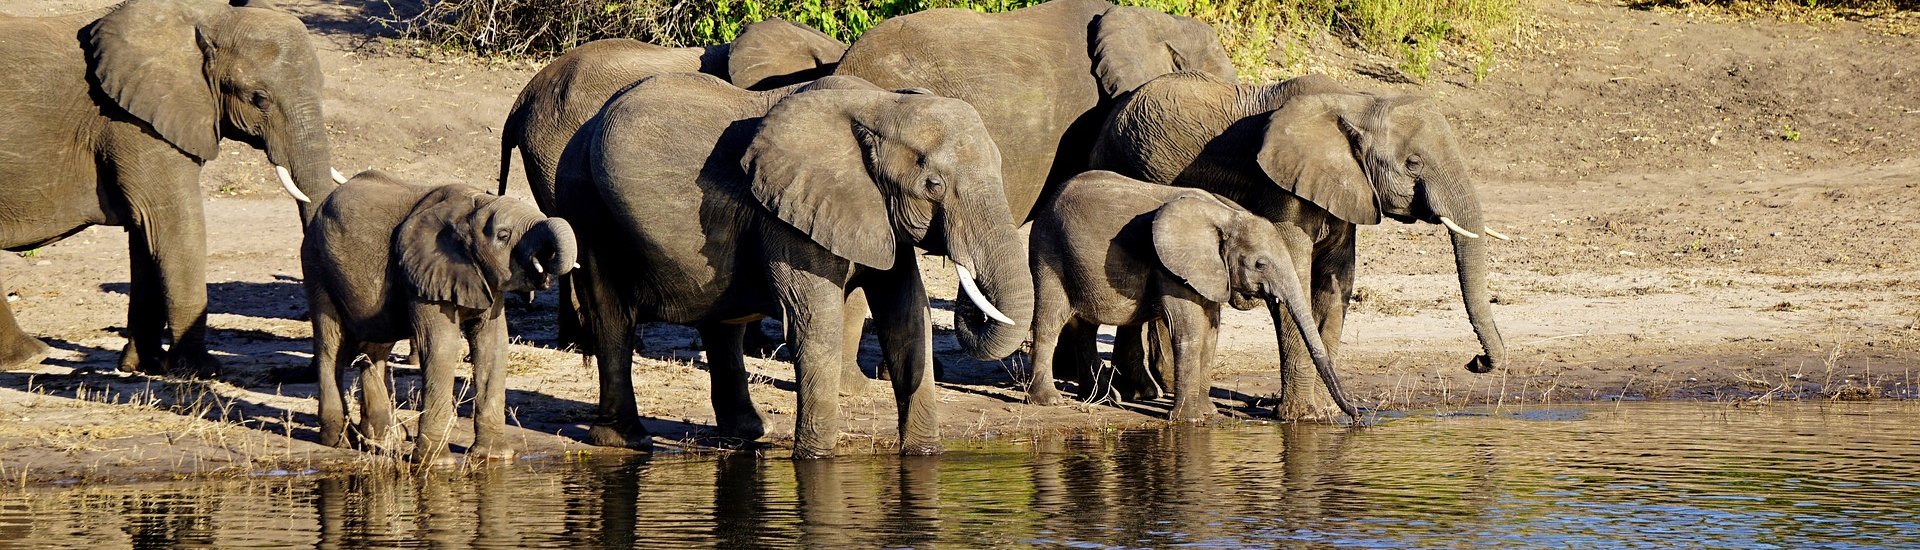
x=1460, y=211
x=300, y=151
x=551, y=249
x=992, y=262
x=1301, y=310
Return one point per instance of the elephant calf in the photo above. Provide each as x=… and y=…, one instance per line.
x=1117, y=251
x=386, y=261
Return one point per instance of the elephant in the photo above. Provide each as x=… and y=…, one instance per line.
x=1042, y=78
x=768, y=54
x=384, y=261
x=107, y=120
x=1312, y=157
x=702, y=204
x=1112, y=250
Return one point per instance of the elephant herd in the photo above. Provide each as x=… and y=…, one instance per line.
x=785, y=176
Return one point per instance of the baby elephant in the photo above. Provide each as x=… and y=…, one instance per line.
x=387, y=261
x=1111, y=250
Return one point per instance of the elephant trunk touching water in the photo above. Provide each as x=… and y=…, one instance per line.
x=1458, y=205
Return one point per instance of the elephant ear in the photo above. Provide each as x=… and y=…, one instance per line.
x=1187, y=235
x=147, y=56
x=775, y=52
x=435, y=250
x=1133, y=45
x=807, y=165
x=1309, y=149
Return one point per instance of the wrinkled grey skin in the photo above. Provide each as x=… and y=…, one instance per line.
x=1112, y=250
x=1312, y=156
x=1041, y=78
x=106, y=118
x=387, y=261
x=702, y=204
x=561, y=97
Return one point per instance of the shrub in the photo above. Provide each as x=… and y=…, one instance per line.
x=1413, y=30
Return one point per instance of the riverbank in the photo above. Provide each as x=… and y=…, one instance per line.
x=1671, y=242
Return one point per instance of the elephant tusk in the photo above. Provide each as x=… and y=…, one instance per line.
x=1457, y=229
x=337, y=178
x=1495, y=234
x=576, y=265
x=286, y=180
x=538, y=269
x=972, y=290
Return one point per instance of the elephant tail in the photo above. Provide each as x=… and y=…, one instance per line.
x=510, y=133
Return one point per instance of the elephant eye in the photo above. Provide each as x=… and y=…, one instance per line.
x=502, y=235
x=1413, y=163
x=1261, y=264
x=935, y=187
x=259, y=98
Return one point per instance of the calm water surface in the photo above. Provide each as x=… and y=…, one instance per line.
x=1645, y=475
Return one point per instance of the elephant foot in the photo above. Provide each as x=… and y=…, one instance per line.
x=132, y=361
x=25, y=353
x=852, y=381
x=432, y=456
x=921, y=449
x=334, y=436
x=492, y=452
x=745, y=427
x=1190, y=410
x=811, y=452
x=1045, y=397
x=605, y=435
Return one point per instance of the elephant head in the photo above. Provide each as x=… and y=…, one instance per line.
x=465, y=247
x=199, y=70
x=1361, y=157
x=1226, y=254
x=863, y=172
x=774, y=53
x=1133, y=45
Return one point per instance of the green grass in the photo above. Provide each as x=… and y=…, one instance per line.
x=1258, y=34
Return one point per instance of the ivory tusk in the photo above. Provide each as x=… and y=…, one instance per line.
x=286, y=181
x=972, y=291
x=337, y=178
x=1457, y=229
x=1495, y=234
x=576, y=265
x=537, y=269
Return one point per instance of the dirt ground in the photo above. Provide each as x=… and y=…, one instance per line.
x=1702, y=209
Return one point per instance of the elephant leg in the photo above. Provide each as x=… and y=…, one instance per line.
x=1079, y=352
x=436, y=339
x=1194, y=329
x=854, y=323
x=566, y=318
x=1051, y=314
x=146, y=310
x=905, y=330
x=812, y=304
x=727, y=381
x=487, y=346
x=377, y=429
x=177, y=247
x=1133, y=381
x=333, y=354
x=1303, y=396
x=1159, y=350
x=17, y=349
x=1332, y=284
x=609, y=319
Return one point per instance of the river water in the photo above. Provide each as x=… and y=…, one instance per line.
x=1613, y=475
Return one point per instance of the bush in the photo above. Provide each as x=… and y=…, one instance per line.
x=1250, y=29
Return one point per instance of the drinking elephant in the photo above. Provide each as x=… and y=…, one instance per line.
x=107, y=120
x=1314, y=157
x=700, y=203
x=386, y=261
x=1041, y=77
x=561, y=97
x=1112, y=250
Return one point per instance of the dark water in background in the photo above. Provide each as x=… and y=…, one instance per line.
x=1647, y=475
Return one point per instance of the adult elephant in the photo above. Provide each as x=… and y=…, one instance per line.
x=699, y=203
x=1041, y=77
x=561, y=97
x=1318, y=160
x=107, y=120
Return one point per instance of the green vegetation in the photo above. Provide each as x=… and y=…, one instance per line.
x=1412, y=31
